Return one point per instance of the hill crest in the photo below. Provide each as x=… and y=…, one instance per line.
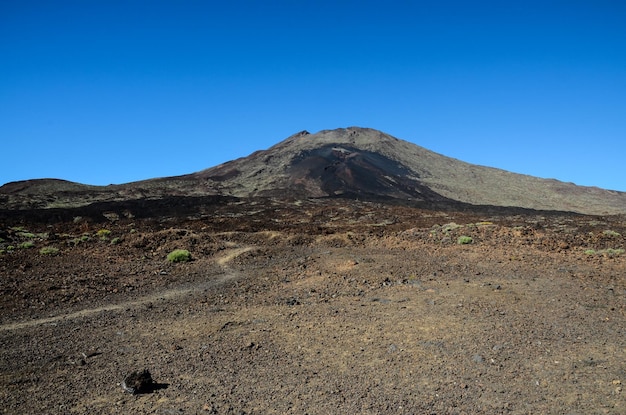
x=349, y=162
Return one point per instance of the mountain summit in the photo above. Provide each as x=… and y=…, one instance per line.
x=366, y=163
x=353, y=162
x=347, y=162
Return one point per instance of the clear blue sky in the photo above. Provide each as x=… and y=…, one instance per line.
x=111, y=91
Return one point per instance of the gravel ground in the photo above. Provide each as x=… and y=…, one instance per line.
x=335, y=307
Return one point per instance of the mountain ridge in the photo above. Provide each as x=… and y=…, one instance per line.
x=348, y=162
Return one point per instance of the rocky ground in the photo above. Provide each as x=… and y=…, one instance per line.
x=315, y=307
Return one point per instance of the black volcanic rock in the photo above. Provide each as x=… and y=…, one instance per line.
x=346, y=162
x=349, y=171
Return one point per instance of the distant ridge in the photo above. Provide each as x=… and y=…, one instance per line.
x=347, y=162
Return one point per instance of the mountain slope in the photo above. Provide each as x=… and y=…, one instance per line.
x=352, y=162
x=360, y=161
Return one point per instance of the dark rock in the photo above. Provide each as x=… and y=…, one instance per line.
x=138, y=382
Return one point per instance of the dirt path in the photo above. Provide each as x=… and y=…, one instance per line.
x=221, y=260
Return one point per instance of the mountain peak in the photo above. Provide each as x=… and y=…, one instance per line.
x=364, y=162
x=348, y=162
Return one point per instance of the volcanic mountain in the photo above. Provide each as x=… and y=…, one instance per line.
x=357, y=163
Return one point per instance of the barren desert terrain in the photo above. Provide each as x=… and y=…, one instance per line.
x=315, y=306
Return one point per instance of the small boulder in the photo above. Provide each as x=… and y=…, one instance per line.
x=138, y=382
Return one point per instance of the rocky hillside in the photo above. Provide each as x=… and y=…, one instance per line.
x=352, y=162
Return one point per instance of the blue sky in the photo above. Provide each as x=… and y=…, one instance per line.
x=104, y=92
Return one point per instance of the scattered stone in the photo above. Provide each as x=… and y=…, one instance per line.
x=292, y=301
x=209, y=408
x=138, y=382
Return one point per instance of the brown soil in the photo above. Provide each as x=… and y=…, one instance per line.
x=316, y=308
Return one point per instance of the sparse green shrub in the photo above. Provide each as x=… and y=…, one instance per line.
x=179, y=255
x=48, y=250
x=30, y=235
x=115, y=241
x=611, y=233
x=27, y=235
x=103, y=234
x=464, y=240
x=450, y=227
x=609, y=252
x=26, y=245
x=79, y=240
x=10, y=248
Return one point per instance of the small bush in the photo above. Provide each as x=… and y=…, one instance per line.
x=115, y=241
x=450, y=227
x=73, y=242
x=103, y=234
x=179, y=255
x=611, y=233
x=28, y=235
x=609, y=252
x=48, y=250
x=27, y=244
x=464, y=240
